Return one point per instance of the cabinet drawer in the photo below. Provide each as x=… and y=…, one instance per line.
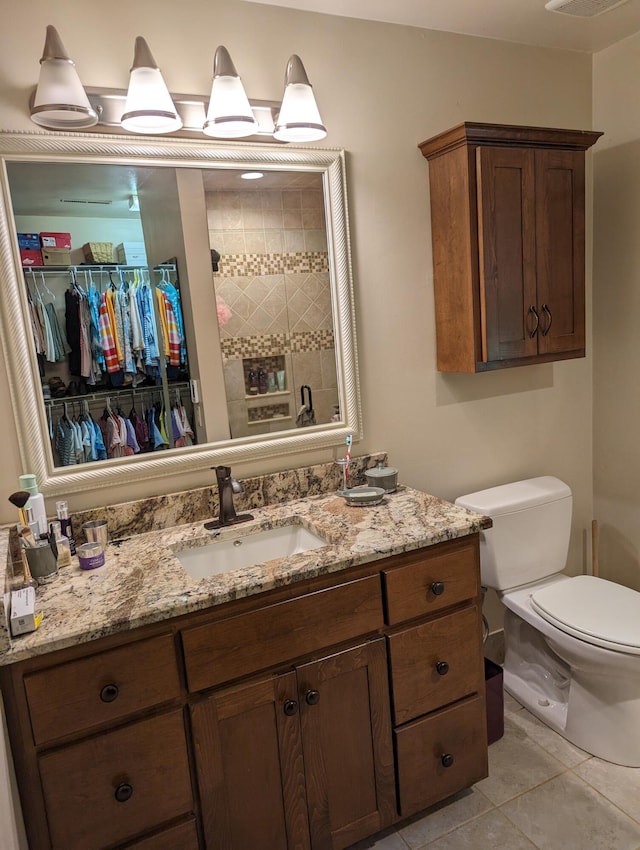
x=181, y=837
x=117, y=785
x=228, y=649
x=429, y=581
x=436, y=663
x=425, y=746
x=82, y=694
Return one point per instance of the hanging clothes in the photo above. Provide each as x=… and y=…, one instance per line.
x=72, y=325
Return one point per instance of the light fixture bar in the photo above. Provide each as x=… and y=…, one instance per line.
x=109, y=104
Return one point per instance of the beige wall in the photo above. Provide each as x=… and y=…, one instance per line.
x=616, y=312
x=381, y=89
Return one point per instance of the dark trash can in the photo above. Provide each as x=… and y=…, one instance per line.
x=493, y=680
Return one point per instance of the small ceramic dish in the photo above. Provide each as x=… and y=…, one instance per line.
x=362, y=496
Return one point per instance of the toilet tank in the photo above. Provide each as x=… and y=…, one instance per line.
x=529, y=539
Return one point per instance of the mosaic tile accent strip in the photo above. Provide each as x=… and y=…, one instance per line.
x=270, y=345
x=312, y=341
x=235, y=265
x=275, y=344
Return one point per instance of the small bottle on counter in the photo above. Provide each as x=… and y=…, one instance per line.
x=62, y=510
x=62, y=544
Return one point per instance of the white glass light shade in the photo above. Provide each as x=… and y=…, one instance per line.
x=229, y=115
x=148, y=107
x=60, y=101
x=299, y=119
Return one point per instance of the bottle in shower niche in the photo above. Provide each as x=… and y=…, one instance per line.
x=62, y=510
x=29, y=485
x=262, y=381
x=252, y=382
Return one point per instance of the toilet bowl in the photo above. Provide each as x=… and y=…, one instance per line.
x=572, y=644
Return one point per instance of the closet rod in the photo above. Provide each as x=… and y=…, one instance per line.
x=103, y=394
x=97, y=268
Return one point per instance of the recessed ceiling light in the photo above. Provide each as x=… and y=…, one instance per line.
x=252, y=175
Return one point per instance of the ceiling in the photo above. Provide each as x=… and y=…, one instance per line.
x=104, y=190
x=522, y=21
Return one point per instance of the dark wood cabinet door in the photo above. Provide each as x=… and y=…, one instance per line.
x=250, y=767
x=346, y=732
x=560, y=244
x=507, y=252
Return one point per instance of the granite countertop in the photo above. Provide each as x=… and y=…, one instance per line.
x=143, y=582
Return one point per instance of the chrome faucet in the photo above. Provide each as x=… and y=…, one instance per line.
x=227, y=486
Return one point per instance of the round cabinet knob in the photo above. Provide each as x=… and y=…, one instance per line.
x=123, y=792
x=312, y=697
x=290, y=707
x=447, y=760
x=437, y=588
x=109, y=693
x=442, y=667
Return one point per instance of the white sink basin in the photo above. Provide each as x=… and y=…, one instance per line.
x=246, y=550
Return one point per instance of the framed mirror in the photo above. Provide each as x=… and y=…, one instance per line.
x=255, y=275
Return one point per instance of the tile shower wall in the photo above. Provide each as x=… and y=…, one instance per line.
x=273, y=276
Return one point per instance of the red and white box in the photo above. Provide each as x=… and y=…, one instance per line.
x=30, y=257
x=56, y=240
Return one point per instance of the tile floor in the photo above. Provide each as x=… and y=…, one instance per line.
x=541, y=792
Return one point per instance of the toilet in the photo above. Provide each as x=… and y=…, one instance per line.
x=572, y=644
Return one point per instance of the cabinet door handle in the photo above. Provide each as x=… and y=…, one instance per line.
x=546, y=310
x=446, y=759
x=124, y=792
x=290, y=707
x=109, y=693
x=437, y=588
x=442, y=668
x=533, y=332
x=312, y=697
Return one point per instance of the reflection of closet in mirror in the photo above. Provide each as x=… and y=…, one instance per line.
x=271, y=275
x=95, y=209
x=96, y=410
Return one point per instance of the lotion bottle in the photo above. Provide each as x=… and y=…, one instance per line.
x=29, y=484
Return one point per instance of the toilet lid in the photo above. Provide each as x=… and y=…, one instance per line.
x=594, y=610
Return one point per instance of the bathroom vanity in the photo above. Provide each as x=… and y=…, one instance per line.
x=306, y=702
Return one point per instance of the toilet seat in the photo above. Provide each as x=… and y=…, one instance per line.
x=593, y=609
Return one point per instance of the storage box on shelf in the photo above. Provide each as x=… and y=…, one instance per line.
x=131, y=254
x=56, y=257
x=98, y=252
x=49, y=239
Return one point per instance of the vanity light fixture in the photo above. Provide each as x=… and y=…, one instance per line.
x=149, y=107
x=299, y=119
x=229, y=115
x=60, y=101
